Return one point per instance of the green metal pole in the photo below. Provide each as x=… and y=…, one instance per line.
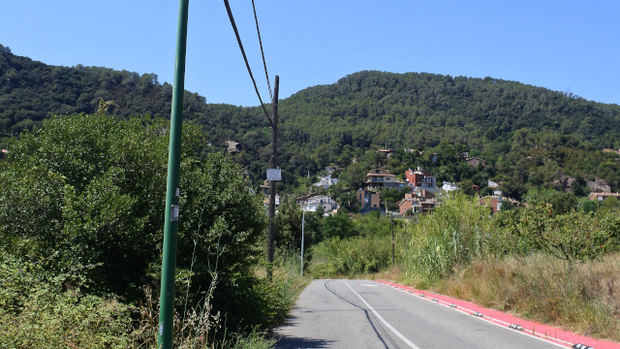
x=166, y=298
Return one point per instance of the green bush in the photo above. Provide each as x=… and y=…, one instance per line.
x=451, y=235
x=35, y=311
x=86, y=194
x=357, y=255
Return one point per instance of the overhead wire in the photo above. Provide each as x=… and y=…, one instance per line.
x=245, y=58
x=262, y=53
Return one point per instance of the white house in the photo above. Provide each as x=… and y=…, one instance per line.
x=326, y=182
x=311, y=203
x=447, y=186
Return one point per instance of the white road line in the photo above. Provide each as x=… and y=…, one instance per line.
x=398, y=334
x=486, y=319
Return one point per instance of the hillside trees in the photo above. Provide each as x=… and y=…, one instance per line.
x=534, y=136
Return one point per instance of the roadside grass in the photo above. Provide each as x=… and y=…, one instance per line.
x=581, y=297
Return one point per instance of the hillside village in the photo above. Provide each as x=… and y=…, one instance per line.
x=416, y=191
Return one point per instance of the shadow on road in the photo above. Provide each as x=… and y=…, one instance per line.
x=296, y=342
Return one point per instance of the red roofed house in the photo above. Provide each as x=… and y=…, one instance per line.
x=420, y=178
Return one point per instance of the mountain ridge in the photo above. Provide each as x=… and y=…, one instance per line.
x=332, y=123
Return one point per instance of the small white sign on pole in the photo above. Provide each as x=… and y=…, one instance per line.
x=274, y=174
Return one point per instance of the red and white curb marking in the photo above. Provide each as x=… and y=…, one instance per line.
x=543, y=332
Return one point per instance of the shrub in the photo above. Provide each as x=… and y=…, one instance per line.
x=451, y=235
x=35, y=312
x=357, y=255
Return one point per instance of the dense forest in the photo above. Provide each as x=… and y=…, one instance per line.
x=529, y=136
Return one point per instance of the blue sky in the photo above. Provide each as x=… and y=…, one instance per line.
x=570, y=46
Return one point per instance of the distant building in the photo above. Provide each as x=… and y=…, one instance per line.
x=475, y=162
x=447, y=186
x=417, y=204
x=492, y=184
x=603, y=196
x=368, y=199
x=611, y=151
x=3, y=153
x=326, y=182
x=312, y=202
x=377, y=180
x=420, y=178
x=233, y=147
x=387, y=152
x=492, y=201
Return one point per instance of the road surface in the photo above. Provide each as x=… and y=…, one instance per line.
x=365, y=314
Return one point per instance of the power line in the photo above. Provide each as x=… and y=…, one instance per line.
x=245, y=58
x=262, y=53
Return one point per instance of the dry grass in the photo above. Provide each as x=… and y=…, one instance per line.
x=583, y=297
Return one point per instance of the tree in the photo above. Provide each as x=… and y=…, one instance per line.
x=338, y=225
x=610, y=202
x=89, y=193
x=572, y=236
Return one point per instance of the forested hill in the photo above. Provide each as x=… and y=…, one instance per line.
x=31, y=91
x=332, y=124
x=410, y=109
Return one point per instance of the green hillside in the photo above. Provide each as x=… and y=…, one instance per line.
x=530, y=135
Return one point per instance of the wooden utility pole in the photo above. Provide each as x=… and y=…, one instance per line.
x=273, y=163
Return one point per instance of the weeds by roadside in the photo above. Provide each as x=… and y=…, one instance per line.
x=582, y=297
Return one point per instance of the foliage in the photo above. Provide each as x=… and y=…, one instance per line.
x=37, y=310
x=88, y=191
x=610, y=203
x=560, y=202
x=532, y=137
x=579, y=297
x=337, y=225
x=357, y=255
x=451, y=236
x=571, y=236
x=288, y=221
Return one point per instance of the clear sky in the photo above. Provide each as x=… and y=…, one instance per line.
x=570, y=46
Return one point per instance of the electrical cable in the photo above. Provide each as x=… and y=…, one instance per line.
x=262, y=53
x=245, y=58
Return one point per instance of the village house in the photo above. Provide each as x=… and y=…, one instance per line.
x=492, y=201
x=611, y=151
x=3, y=153
x=368, y=199
x=475, y=162
x=603, y=196
x=413, y=203
x=378, y=180
x=312, y=202
x=420, y=178
x=448, y=187
x=388, y=152
x=326, y=182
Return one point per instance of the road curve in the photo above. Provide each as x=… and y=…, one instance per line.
x=365, y=314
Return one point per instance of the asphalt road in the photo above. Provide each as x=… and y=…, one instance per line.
x=365, y=314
